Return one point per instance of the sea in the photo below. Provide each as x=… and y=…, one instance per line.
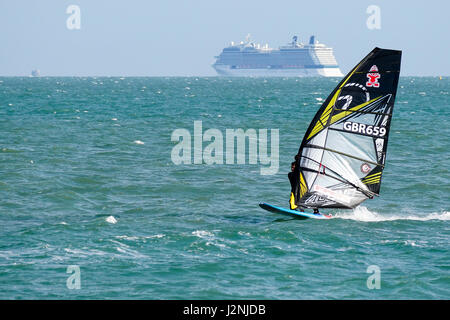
x=94, y=206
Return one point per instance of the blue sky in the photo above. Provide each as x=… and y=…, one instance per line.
x=181, y=37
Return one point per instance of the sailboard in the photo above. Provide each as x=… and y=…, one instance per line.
x=342, y=156
x=293, y=213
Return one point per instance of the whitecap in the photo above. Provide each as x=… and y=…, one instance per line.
x=361, y=213
x=157, y=236
x=202, y=234
x=138, y=142
x=125, y=237
x=220, y=245
x=111, y=219
x=412, y=243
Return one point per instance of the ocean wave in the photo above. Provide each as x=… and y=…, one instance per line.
x=361, y=213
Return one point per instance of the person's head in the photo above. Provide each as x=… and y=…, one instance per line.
x=293, y=166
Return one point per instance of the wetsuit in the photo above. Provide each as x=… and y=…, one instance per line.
x=293, y=180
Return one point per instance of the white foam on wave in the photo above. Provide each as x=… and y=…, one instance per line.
x=125, y=237
x=211, y=239
x=137, y=238
x=202, y=234
x=111, y=219
x=85, y=252
x=361, y=213
x=156, y=236
x=411, y=243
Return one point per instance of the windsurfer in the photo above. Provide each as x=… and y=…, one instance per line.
x=293, y=180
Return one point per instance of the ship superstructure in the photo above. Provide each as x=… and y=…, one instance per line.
x=294, y=59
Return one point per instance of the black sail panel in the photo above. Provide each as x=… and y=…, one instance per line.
x=341, y=158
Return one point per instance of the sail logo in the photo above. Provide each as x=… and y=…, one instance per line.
x=373, y=77
x=365, y=168
x=364, y=129
x=338, y=197
x=315, y=198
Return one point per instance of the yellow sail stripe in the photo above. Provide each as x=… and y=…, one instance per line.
x=372, y=176
x=326, y=113
x=324, y=117
x=303, y=188
x=292, y=202
x=343, y=114
x=371, y=180
x=318, y=127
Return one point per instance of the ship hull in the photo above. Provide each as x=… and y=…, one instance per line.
x=225, y=70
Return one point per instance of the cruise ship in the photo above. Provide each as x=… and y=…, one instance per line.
x=292, y=60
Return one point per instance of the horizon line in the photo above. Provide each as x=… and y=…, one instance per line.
x=192, y=76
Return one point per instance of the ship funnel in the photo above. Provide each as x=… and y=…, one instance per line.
x=312, y=40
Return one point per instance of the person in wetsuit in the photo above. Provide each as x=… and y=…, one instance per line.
x=293, y=176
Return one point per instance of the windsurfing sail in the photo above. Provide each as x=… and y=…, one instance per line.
x=341, y=158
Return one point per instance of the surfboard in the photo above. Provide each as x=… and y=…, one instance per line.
x=295, y=213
